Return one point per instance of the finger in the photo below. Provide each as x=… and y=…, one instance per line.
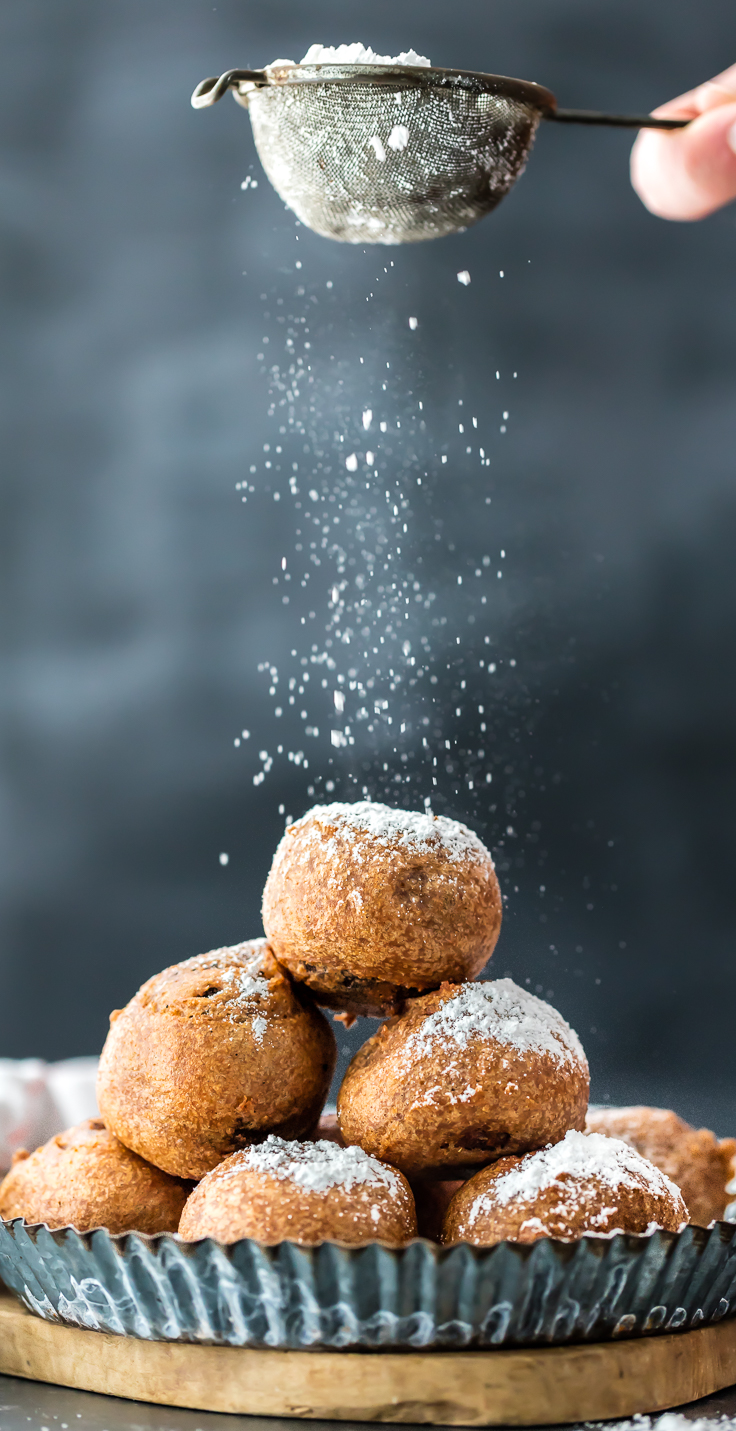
x=726, y=79
x=688, y=173
x=719, y=90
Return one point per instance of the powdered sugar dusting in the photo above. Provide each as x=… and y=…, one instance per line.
x=398, y=138
x=501, y=1011
x=579, y=1157
x=259, y=1027
x=670, y=1421
x=413, y=831
x=247, y=983
x=358, y=54
x=237, y=974
x=314, y=1167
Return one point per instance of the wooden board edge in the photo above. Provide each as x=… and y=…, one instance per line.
x=530, y=1386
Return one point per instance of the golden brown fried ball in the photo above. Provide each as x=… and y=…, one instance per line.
x=464, y=1075
x=432, y=1199
x=328, y=1128
x=694, y=1159
x=85, y=1178
x=584, y=1184
x=301, y=1192
x=211, y=1055
x=365, y=904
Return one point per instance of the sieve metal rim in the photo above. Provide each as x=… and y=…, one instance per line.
x=535, y=96
x=244, y=82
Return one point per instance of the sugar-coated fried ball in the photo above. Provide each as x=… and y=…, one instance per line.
x=211, y=1055
x=584, y=1184
x=85, y=1178
x=301, y=1192
x=694, y=1159
x=432, y=1197
x=462, y=1076
x=366, y=904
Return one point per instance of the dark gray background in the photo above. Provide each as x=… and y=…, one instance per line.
x=136, y=592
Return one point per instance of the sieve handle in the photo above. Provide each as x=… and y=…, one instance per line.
x=210, y=90
x=619, y=121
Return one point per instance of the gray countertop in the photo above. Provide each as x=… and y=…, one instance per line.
x=34, y=1406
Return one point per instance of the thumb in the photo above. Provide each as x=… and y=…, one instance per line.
x=688, y=173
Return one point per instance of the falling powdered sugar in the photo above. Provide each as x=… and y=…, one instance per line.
x=580, y=1156
x=501, y=1011
x=412, y=831
x=358, y=54
x=315, y=1167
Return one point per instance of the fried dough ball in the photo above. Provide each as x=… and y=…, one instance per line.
x=584, y=1184
x=329, y=1128
x=464, y=1075
x=365, y=904
x=694, y=1159
x=85, y=1178
x=301, y=1192
x=432, y=1199
x=211, y=1055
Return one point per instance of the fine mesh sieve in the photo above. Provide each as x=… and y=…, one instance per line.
x=393, y=153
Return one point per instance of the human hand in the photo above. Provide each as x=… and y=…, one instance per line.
x=689, y=173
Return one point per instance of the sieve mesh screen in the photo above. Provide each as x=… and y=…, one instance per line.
x=382, y=155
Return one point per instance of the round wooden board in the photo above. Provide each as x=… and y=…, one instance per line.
x=536, y=1387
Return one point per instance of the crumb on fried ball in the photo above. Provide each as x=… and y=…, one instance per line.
x=211, y=1055
x=85, y=1178
x=301, y=1192
x=587, y=1183
x=699, y=1164
x=464, y=1075
x=366, y=904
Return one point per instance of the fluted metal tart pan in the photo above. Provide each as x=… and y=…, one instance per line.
x=374, y=1297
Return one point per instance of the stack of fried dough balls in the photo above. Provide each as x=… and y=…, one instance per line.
x=213, y=1078
x=209, y=1056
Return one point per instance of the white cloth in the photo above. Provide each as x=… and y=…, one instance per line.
x=39, y=1099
